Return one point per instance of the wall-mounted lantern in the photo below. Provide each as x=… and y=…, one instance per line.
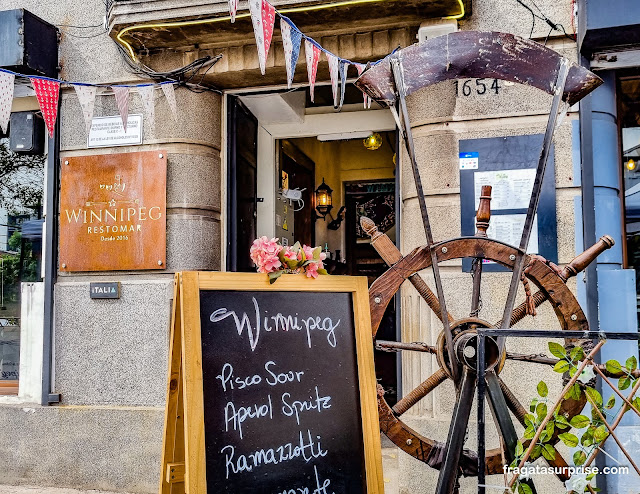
x=323, y=199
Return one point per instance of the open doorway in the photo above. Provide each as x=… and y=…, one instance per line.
x=301, y=145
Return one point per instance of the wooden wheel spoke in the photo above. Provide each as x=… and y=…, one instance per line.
x=457, y=430
x=422, y=390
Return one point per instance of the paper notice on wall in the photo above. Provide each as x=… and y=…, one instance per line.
x=469, y=161
x=508, y=229
x=511, y=189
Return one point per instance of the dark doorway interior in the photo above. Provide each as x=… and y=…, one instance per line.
x=299, y=171
x=242, y=186
x=375, y=200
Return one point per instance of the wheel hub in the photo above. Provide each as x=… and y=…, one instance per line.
x=465, y=344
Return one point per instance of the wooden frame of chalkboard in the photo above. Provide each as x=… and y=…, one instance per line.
x=315, y=374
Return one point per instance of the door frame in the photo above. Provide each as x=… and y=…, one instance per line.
x=314, y=124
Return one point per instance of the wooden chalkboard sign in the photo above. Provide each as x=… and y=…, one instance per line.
x=271, y=387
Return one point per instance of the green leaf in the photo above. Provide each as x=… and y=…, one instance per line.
x=611, y=403
x=569, y=439
x=613, y=366
x=577, y=353
x=624, y=382
x=600, y=433
x=529, y=432
x=548, y=432
x=631, y=364
x=541, y=410
x=534, y=402
x=530, y=420
x=636, y=403
x=549, y=452
x=562, y=422
x=542, y=389
x=519, y=449
x=524, y=489
x=594, y=395
x=557, y=349
x=535, y=452
x=316, y=253
x=579, y=457
x=587, y=437
x=573, y=371
x=580, y=421
x=561, y=367
x=322, y=271
x=575, y=392
x=274, y=276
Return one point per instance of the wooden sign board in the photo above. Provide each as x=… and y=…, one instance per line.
x=113, y=212
x=271, y=387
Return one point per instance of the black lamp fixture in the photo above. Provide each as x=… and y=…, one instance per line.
x=323, y=199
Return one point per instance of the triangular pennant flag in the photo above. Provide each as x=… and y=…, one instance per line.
x=147, y=93
x=333, y=74
x=170, y=94
x=367, y=100
x=233, y=8
x=87, y=98
x=312, y=53
x=122, y=100
x=263, y=17
x=291, y=39
x=343, y=67
x=6, y=98
x=47, y=92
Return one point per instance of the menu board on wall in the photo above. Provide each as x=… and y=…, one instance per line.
x=113, y=212
x=508, y=164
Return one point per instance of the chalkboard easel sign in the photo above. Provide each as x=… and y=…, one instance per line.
x=271, y=387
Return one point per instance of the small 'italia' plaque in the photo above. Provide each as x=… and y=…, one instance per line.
x=104, y=290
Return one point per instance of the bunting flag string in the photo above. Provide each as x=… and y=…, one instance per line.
x=263, y=18
x=170, y=95
x=333, y=75
x=87, y=98
x=6, y=99
x=291, y=39
x=312, y=53
x=47, y=92
x=148, y=103
x=122, y=100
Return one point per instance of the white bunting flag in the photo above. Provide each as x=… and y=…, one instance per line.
x=233, y=8
x=291, y=39
x=122, y=100
x=147, y=93
x=263, y=17
x=312, y=53
x=367, y=100
x=343, y=67
x=170, y=95
x=333, y=74
x=6, y=98
x=87, y=98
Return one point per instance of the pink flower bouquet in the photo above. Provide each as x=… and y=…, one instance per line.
x=272, y=258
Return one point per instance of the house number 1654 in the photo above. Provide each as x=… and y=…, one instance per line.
x=467, y=87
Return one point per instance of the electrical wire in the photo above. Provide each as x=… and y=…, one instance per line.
x=541, y=16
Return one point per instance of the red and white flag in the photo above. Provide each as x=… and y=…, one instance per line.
x=170, y=95
x=147, y=93
x=47, y=92
x=122, y=100
x=312, y=53
x=367, y=100
x=333, y=74
x=87, y=98
x=6, y=98
x=263, y=17
x=233, y=8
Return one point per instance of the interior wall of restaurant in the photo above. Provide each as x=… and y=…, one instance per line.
x=344, y=161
